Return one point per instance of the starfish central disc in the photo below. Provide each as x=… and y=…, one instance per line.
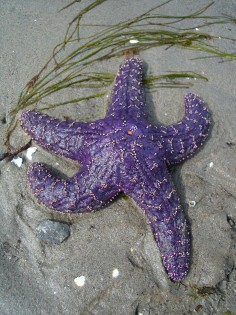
x=133, y=129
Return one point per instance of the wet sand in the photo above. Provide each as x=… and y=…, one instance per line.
x=112, y=253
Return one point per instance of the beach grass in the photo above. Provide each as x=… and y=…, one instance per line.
x=69, y=65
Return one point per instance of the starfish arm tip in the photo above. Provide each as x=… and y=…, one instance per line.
x=185, y=138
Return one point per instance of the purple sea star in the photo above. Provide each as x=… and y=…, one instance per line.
x=123, y=152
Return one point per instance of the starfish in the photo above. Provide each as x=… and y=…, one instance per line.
x=123, y=153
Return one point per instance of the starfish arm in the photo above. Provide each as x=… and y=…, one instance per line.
x=183, y=139
x=154, y=193
x=62, y=137
x=85, y=192
x=173, y=238
x=128, y=99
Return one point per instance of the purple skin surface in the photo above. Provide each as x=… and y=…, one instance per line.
x=123, y=152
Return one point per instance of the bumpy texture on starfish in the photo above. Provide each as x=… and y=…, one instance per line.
x=123, y=152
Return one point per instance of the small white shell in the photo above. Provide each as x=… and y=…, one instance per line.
x=80, y=281
x=134, y=41
x=30, y=151
x=192, y=203
x=115, y=273
x=17, y=161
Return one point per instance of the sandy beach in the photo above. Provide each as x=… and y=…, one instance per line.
x=107, y=263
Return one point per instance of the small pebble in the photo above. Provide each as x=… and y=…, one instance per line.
x=53, y=231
